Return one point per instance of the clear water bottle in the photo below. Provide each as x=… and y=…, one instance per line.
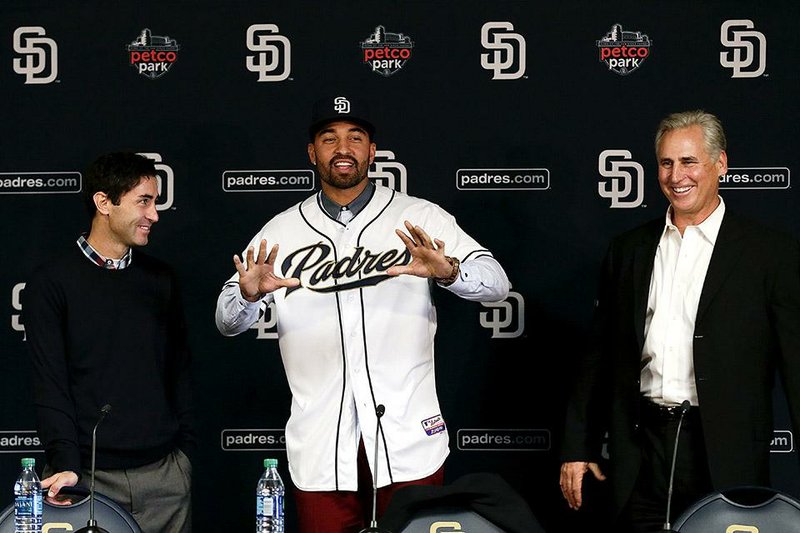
x=28, y=499
x=269, y=499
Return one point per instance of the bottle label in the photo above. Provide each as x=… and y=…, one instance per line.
x=23, y=506
x=265, y=506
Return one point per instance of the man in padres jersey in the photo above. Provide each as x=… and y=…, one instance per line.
x=351, y=270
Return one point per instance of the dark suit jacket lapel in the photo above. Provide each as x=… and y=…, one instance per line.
x=644, y=255
x=728, y=251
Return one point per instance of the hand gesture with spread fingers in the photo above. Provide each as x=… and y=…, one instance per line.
x=427, y=255
x=257, y=278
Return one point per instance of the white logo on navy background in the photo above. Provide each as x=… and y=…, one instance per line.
x=506, y=58
x=341, y=105
x=388, y=172
x=166, y=181
x=748, y=48
x=273, y=62
x=16, y=304
x=623, y=184
x=39, y=61
x=506, y=319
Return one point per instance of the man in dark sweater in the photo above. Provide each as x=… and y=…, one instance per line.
x=105, y=325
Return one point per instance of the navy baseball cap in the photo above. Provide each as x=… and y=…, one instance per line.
x=334, y=108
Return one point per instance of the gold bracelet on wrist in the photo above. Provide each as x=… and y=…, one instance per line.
x=454, y=263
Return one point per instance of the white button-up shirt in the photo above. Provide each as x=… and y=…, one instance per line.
x=679, y=271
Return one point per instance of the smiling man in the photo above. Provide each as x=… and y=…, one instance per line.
x=695, y=312
x=105, y=326
x=352, y=284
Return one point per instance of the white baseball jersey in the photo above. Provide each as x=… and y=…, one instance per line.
x=351, y=337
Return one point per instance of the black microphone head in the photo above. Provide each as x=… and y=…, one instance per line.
x=685, y=406
x=379, y=410
x=91, y=529
x=106, y=409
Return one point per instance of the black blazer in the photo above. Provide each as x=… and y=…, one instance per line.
x=747, y=326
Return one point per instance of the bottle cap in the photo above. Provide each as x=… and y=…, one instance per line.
x=270, y=463
x=28, y=462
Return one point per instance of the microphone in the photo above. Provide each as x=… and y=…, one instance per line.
x=91, y=525
x=684, y=409
x=373, y=525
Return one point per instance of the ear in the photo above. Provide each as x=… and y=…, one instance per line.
x=312, y=154
x=102, y=202
x=722, y=163
x=372, y=149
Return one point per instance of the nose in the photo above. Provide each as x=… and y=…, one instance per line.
x=152, y=213
x=343, y=147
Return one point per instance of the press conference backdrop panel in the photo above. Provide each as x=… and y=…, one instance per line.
x=531, y=122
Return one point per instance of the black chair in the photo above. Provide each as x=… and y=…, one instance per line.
x=482, y=502
x=108, y=514
x=742, y=510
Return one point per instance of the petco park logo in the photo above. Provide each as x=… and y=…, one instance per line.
x=507, y=318
x=386, y=52
x=625, y=189
x=388, y=172
x=273, y=60
x=166, y=181
x=748, y=54
x=151, y=55
x=506, y=58
x=39, y=61
x=623, y=51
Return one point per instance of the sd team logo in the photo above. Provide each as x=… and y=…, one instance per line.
x=39, y=61
x=506, y=51
x=151, y=55
x=747, y=49
x=623, y=51
x=386, y=52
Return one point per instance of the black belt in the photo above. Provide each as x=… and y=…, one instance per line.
x=664, y=412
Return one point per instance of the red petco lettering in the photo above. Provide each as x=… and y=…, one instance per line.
x=150, y=56
x=607, y=52
x=386, y=53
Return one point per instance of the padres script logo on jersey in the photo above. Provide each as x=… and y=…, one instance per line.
x=325, y=271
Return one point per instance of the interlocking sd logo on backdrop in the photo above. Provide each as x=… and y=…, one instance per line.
x=166, y=181
x=625, y=188
x=747, y=54
x=39, y=61
x=273, y=58
x=506, y=56
x=388, y=172
x=386, y=53
x=152, y=55
x=623, y=51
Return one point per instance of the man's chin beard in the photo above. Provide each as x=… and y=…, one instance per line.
x=341, y=184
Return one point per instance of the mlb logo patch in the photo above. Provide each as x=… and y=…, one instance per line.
x=433, y=425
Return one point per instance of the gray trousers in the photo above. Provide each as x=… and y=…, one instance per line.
x=157, y=495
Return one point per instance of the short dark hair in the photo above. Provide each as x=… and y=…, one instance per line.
x=115, y=174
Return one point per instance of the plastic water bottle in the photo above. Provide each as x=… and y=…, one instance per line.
x=269, y=499
x=28, y=499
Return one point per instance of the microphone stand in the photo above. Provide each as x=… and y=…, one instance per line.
x=91, y=525
x=684, y=409
x=373, y=525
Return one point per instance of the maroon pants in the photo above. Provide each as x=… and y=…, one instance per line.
x=347, y=511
